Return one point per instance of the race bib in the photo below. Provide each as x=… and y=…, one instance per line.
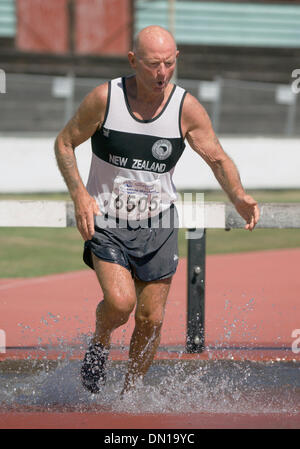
x=135, y=200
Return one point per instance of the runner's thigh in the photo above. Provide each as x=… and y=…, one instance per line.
x=151, y=299
x=116, y=283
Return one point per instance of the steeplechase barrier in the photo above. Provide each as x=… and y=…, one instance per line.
x=213, y=215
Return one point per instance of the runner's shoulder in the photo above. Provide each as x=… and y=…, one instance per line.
x=93, y=106
x=98, y=96
x=191, y=104
x=192, y=110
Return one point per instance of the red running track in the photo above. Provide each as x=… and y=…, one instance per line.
x=252, y=309
x=77, y=420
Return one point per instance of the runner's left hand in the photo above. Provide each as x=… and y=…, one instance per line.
x=248, y=209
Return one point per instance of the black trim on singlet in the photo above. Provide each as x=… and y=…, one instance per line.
x=180, y=114
x=106, y=107
x=107, y=104
x=129, y=108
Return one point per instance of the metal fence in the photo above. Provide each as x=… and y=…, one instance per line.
x=38, y=103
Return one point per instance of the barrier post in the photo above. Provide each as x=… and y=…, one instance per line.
x=196, y=293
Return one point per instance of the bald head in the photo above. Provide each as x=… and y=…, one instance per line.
x=152, y=37
x=153, y=59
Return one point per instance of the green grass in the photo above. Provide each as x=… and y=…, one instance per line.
x=270, y=196
x=27, y=252
x=56, y=196
x=219, y=241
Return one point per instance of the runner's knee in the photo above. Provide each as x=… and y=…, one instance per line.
x=117, y=303
x=149, y=321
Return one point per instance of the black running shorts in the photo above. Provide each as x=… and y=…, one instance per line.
x=149, y=250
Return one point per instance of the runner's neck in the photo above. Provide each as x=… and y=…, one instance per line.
x=143, y=105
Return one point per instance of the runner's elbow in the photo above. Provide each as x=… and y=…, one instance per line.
x=63, y=144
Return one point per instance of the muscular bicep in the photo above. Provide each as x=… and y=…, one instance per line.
x=200, y=133
x=87, y=118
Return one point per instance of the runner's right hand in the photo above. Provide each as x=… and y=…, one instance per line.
x=85, y=210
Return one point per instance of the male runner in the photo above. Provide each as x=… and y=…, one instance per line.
x=137, y=126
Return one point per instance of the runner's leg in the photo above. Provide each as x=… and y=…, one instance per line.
x=151, y=301
x=119, y=299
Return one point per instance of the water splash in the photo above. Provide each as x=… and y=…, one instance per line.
x=170, y=387
x=181, y=386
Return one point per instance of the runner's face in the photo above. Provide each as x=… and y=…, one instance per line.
x=155, y=66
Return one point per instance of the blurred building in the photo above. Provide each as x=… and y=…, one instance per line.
x=241, y=39
x=38, y=36
x=236, y=56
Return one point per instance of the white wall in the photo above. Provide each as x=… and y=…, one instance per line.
x=27, y=164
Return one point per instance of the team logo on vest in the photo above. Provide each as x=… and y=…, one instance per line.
x=162, y=149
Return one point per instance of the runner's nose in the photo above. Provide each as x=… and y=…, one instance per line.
x=161, y=70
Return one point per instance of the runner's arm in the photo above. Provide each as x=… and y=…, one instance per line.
x=81, y=127
x=198, y=130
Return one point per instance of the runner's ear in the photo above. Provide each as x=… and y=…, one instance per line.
x=132, y=59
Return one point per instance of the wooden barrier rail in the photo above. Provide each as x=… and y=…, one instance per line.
x=213, y=215
x=60, y=214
